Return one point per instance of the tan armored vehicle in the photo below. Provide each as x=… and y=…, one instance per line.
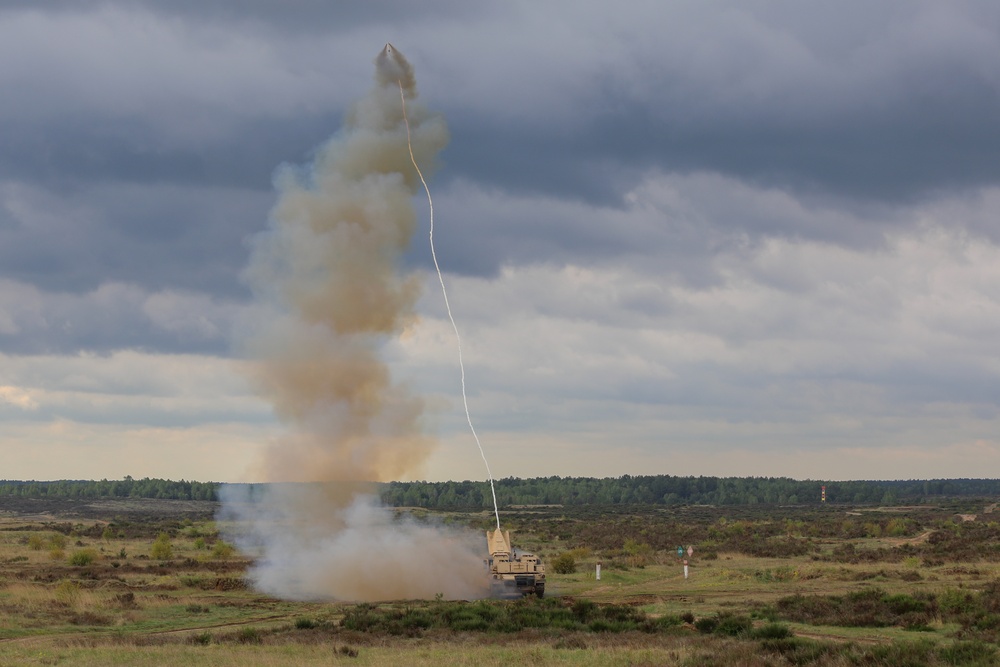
x=512, y=574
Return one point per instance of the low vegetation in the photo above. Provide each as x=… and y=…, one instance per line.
x=131, y=582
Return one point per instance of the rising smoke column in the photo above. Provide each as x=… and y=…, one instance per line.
x=329, y=265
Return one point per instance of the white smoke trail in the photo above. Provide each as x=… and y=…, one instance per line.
x=447, y=305
x=361, y=551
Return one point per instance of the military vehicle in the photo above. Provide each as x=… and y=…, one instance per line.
x=511, y=573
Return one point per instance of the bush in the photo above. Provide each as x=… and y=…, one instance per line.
x=162, y=549
x=564, y=564
x=706, y=625
x=305, y=624
x=82, y=557
x=733, y=626
x=222, y=550
x=661, y=623
x=248, y=636
x=35, y=542
x=68, y=592
x=771, y=631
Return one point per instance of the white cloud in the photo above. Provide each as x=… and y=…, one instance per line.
x=113, y=315
x=65, y=449
x=800, y=346
x=132, y=387
x=17, y=397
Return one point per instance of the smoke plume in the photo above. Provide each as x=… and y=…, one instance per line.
x=329, y=268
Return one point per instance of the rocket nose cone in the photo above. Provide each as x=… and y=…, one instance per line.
x=388, y=49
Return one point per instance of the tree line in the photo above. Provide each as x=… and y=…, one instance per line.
x=513, y=491
x=123, y=488
x=674, y=490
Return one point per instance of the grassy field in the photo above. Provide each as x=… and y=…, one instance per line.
x=137, y=583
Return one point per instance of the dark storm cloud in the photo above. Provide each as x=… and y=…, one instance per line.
x=156, y=180
x=153, y=236
x=296, y=15
x=903, y=99
x=74, y=151
x=907, y=105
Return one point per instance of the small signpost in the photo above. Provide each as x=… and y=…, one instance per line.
x=680, y=554
x=598, y=570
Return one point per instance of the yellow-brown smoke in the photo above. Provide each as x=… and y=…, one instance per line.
x=330, y=263
x=329, y=267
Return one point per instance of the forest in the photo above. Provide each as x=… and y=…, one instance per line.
x=512, y=491
x=674, y=490
x=122, y=488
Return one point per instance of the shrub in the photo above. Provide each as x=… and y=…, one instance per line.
x=162, y=549
x=222, y=550
x=583, y=610
x=248, y=636
x=68, y=592
x=35, y=542
x=82, y=557
x=706, y=625
x=199, y=544
x=733, y=626
x=661, y=623
x=564, y=564
x=57, y=541
x=771, y=631
x=801, y=651
x=305, y=624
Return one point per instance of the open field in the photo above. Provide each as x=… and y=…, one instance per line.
x=103, y=582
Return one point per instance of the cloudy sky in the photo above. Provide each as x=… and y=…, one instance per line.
x=728, y=238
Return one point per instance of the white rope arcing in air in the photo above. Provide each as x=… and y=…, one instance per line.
x=447, y=306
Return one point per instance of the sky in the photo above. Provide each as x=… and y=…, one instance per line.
x=688, y=238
